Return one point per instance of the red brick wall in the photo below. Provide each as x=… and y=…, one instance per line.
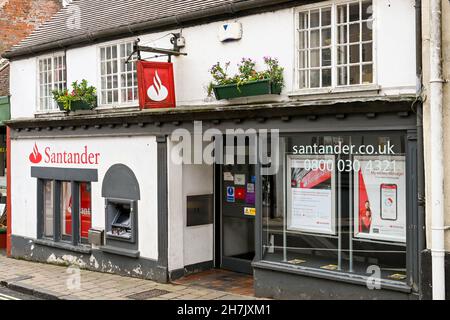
x=4, y=82
x=18, y=18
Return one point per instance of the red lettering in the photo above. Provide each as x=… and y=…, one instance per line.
x=47, y=154
x=65, y=157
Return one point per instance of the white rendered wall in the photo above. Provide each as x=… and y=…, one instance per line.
x=113, y=151
x=267, y=34
x=198, y=240
x=187, y=245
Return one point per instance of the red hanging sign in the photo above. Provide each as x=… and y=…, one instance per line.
x=156, y=84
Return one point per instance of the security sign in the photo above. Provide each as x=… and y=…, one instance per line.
x=230, y=194
x=156, y=84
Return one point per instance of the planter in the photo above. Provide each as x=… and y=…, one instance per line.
x=254, y=88
x=76, y=105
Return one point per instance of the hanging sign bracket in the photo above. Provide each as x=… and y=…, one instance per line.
x=137, y=49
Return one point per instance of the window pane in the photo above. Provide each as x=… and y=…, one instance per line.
x=367, y=10
x=367, y=31
x=303, y=21
x=48, y=208
x=302, y=79
x=342, y=54
x=354, y=32
x=303, y=59
x=315, y=78
x=85, y=209
x=303, y=40
x=354, y=53
x=66, y=210
x=354, y=11
x=326, y=37
x=354, y=75
x=315, y=16
x=342, y=14
x=315, y=38
x=326, y=57
x=326, y=16
x=367, y=52
x=342, y=76
x=326, y=77
x=367, y=74
x=342, y=34
x=315, y=58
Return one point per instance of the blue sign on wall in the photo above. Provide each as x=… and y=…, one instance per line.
x=230, y=194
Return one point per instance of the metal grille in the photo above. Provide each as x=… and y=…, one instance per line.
x=148, y=294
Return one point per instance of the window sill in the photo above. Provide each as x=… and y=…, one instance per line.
x=65, y=246
x=326, y=93
x=331, y=275
x=50, y=113
x=120, y=251
x=117, y=108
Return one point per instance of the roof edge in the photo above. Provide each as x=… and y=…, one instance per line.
x=131, y=29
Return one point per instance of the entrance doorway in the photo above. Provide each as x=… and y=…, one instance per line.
x=235, y=219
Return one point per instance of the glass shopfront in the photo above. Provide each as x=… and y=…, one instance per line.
x=339, y=203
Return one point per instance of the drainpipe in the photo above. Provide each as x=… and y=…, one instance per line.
x=420, y=144
x=437, y=164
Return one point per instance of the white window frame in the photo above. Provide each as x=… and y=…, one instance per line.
x=100, y=91
x=334, y=88
x=54, y=106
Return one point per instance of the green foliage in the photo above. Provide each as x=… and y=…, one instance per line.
x=247, y=73
x=80, y=92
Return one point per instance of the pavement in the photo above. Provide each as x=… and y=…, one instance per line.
x=52, y=282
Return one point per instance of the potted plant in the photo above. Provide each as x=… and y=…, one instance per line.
x=82, y=97
x=248, y=81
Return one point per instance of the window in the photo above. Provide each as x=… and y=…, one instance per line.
x=66, y=210
x=52, y=76
x=335, y=45
x=118, y=79
x=336, y=210
x=65, y=213
x=48, y=208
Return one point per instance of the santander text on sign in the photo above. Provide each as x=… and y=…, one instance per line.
x=65, y=157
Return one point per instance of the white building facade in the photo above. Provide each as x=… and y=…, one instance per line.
x=349, y=79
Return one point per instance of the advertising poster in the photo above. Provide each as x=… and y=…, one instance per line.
x=311, y=195
x=380, y=199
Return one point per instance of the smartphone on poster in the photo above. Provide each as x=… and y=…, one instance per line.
x=388, y=201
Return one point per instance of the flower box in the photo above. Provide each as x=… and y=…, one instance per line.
x=254, y=88
x=76, y=105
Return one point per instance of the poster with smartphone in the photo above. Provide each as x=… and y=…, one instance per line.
x=380, y=198
x=311, y=194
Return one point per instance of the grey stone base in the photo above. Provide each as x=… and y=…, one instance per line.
x=97, y=260
x=281, y=285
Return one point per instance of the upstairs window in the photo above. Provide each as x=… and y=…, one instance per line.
x=118, y=79
x=335, y=45
x=51, y=76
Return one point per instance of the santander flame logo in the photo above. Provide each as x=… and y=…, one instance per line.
x=35, y=156
x=157, y=91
